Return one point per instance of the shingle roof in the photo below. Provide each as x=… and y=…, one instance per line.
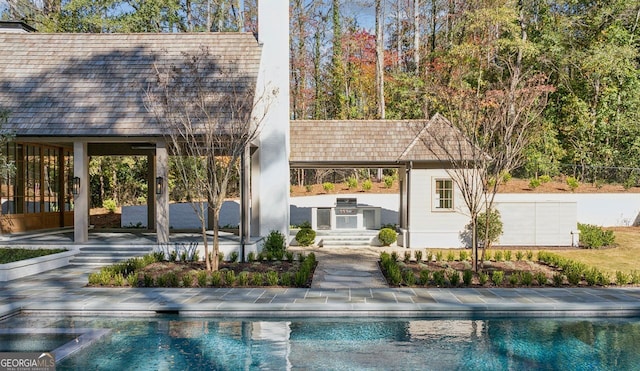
x=93, y=84
x=362, y=142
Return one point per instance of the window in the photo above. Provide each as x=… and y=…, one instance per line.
x=443, y=196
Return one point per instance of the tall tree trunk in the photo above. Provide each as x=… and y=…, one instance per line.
x=416, y=35
x=380, y=60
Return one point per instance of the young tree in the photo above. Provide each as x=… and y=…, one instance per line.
x=494, y=108
x=206, y=146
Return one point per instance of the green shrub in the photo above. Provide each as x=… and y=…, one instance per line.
x=526, y=278
x=10, y=255
x=558, y=279
x=233, y=257
x=202, y=278
x=424, y=277
x=591, y=276
x=229, y=277
x=439, y=256
x=497, y=277
x=258, y=279
x=388, y=181
x=622, y=278
x=288, y=256
x=147, y=280
x=429, y=256
x=308, y=188
x=483, y=278
x=454, y=277
x=251, y=257
x=467, y=276
x=306, y=237
x=328, y=187
x=519, y=255
x=507, y=255
x=493, y=223
x=545, y=178
x=635, y=277
x=418, y=255
x=488, y=255
x=387, y=236
x=451, y=256
x=498, y=256
x=394, y=256
x=272, y=278
x=275, y=244
x=132, y=280
x=352, y=182
x=541, y=278
x=572, y=183
x=506, y=177
x=534, y=183
x=409, y=277
x=514, y=279
x=242, y=279
x=220, y=256
x=464, y=255
x=110, y=205
x=187, y=280
x=407, y=257
x=529, y=255
x=438, y=278
x=172, y=279
x=594, y=237
x=285, y=278
x=367, y=185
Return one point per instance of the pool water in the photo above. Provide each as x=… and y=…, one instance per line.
x=172, y=343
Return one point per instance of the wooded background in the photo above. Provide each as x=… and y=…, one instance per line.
x=407, y=59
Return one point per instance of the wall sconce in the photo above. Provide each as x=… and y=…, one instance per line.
x=159, y=182
x=76, y=186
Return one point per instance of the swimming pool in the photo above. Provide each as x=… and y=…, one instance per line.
x=174, y=343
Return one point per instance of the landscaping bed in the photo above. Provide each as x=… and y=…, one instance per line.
x=153, y=271
x=17, y=262
x=500, y=269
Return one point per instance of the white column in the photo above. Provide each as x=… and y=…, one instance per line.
x=162, y=195
x=273, y=153
x=81, y=200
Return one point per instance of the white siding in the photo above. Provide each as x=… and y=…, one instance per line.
x=537, y=223
x=430, y=227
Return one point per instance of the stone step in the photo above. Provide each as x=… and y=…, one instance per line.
x=346, y=240
x=100, y=255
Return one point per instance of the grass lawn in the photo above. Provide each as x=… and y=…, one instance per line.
x=624, y=257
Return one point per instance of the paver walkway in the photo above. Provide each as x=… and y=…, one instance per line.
x=342, y=268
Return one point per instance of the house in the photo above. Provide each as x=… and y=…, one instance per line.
x=431, y=212
x=72, y=96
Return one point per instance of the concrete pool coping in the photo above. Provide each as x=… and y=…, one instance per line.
x=392, y=302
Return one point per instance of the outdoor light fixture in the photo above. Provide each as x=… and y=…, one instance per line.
x=159, y=185
x=76, y=186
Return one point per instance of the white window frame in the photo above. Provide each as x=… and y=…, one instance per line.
x=437, y=198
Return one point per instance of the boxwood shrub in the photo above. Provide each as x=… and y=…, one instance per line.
x=387, y=236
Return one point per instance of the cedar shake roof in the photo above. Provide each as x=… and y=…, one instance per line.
x=371, y=142
x=94, y=84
